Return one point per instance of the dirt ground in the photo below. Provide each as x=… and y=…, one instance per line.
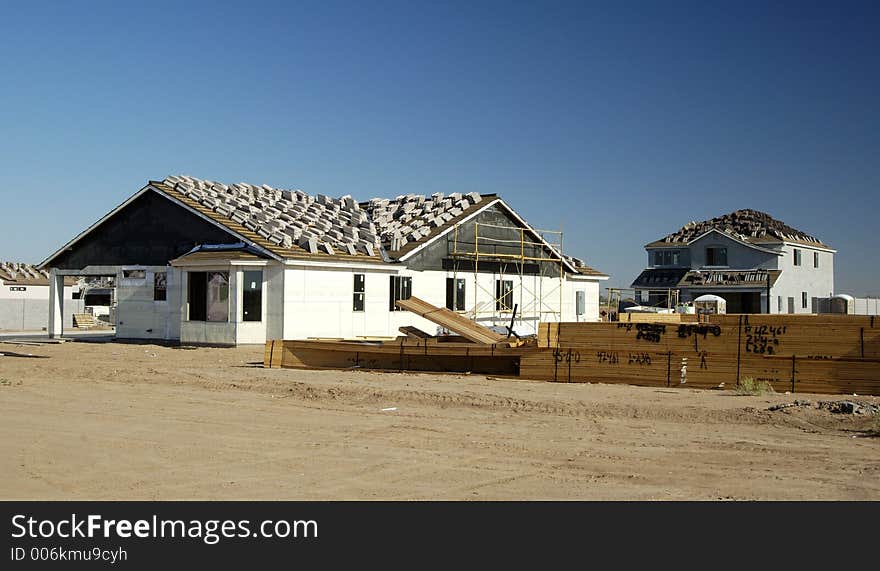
x=127, y=421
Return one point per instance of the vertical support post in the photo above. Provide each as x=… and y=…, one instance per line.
x=739, y=346
x=476, y=266
x=56, y=304
x=862, y=341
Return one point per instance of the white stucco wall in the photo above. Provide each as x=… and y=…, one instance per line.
x=318, y=302
x=31, y=291
x=817, y=282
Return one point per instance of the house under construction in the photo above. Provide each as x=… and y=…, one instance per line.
x=204, y=262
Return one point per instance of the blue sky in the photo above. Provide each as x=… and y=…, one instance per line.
x=615, y=121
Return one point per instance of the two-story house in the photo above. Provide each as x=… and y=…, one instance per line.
x=756, y=263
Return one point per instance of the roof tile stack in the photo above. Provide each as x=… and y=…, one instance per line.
x=287, y=218
x=747, y=225
x=19, y=271
x=411, y=217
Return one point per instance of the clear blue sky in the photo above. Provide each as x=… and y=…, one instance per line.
x=616, y=121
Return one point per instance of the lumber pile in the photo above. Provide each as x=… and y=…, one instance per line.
x=826, y=354
x=84, y=321
x=405, y=354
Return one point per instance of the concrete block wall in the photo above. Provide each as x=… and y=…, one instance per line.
x=33, y=314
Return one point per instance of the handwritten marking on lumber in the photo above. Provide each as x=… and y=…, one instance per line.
x=608, y=357
x=567, y=356
x=612, y=358
x=652, y=332
x=703, y=355
x=685, y=331
x=763, y=339
x=639, y=359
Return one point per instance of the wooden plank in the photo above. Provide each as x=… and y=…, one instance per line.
x=452, y=321
x=414, y=332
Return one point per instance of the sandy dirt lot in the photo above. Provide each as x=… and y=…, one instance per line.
x=127, y=421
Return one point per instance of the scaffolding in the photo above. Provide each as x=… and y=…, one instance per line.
x=535, y=303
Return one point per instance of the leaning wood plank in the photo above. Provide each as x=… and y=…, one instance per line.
x=470, y=330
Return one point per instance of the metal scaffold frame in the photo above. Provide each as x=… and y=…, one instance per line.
x=534, y=302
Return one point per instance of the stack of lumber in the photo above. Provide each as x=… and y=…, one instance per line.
x=84, y=321
x=634, y=317
x=826, y=353
x=405, y=354
x=474, y=348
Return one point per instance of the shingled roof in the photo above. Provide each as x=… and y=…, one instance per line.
x=747, y=225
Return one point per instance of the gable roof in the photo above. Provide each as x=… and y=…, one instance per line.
x=747, y=225
x=291, y=224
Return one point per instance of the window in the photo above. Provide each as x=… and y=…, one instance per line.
x=98, y=298
x=779, y=304
x=17, y=288
x=135, y=274
x=252, y=296
x=160, y=291
x=716, y=256
x=579, y=303
x=815, y=259
x=797, y=257
x=77, y=294
x=359, y=289
x=803, y=299
x=401, y=288
x=504, y=294
x=666, y=258
x=455, y=294
x=208, y=296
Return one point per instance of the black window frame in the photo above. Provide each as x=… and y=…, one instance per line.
x=503, y=297
x=358, y=303
x=804, y=300
x=400, y=289
x=456, y=293
x=815, y=259
x=160, y=291
x=251, y=297
x=713, y=255
x=797, y=257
